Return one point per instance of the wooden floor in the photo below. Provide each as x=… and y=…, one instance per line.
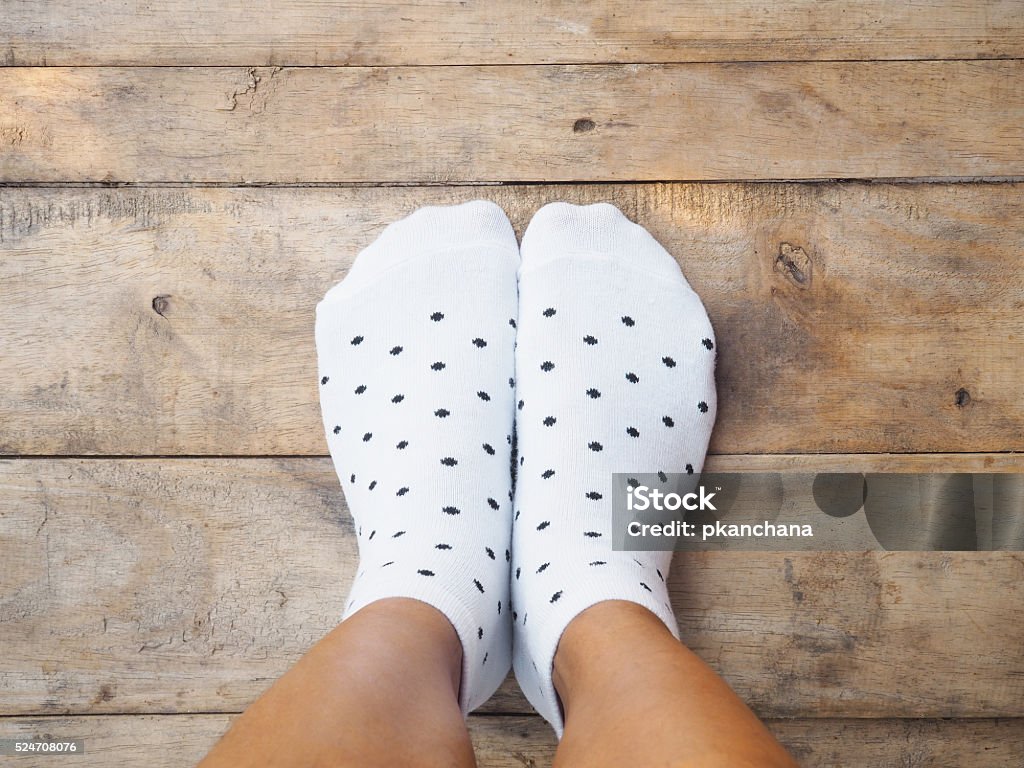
x=180, y=182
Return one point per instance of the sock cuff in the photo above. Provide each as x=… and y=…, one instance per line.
x=543, y=640
x=562, y=229
x=478, y=682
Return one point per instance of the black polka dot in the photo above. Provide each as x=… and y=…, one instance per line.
x=549, y=312
x=397, y=398
x=442, y=413
x=511, y=383
x=389, y=562
x=669, y=362
x=663, y=477
x=325, y=379
x=646, y=587
x=589, y=340
x=702, y=407
x=550, y=421
x=478, y=585
x=483, y=396
x=437, y=317
x=543, y=525
x=372, y=534
x=396, y=350
x=402, y=491
x=689, y=469
x=488, y=449
x=337, y=429
x=486, y=654
x=667, y=421
x=658, y=571
x=595, y=446
x=402, y=445
x=520, y=405
x=628, y=321
x=451, y=510
x=499, y=607
x=442, y=546
x=479, y=343
x=632, y=482
x=508, y=556
x=593, y=393
x=367, y=436
x=555, y=597
x=479, y=633
x=708, y=343
x=547, y=365
x=517, y=572
x=632, y=377
x=512, y=322
x=397, y=534
x=438, y=366
x=543, y=568
x=490, y=552
x=360, y=389
x=373, y=484
x=633, y=432
x=493, y=504
x=448, y=461
x=594, y=496
x=357, y=341
x=548, y=474
x=592, y=534
x=352, y=479
x=599, y=562
x=425, y=572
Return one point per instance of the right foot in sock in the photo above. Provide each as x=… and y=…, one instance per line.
x=415, y=350
x=614, y=373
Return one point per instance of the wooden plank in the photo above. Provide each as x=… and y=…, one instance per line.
x=299, y=32
x=547, y=123
x=161, y=741
x=905, y=335
x=156, y=586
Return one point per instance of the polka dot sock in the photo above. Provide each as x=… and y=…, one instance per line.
x=415, y=351
x=614, y=373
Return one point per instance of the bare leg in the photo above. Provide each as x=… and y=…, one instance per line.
x=633, y=695
x=380, y=690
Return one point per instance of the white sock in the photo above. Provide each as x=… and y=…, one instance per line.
x=614, y=373
x=416, y=360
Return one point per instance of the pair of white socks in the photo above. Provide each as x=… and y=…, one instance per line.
x=446, y=343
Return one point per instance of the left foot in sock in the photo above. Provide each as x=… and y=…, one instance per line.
x=415, y=351
x=614, y=373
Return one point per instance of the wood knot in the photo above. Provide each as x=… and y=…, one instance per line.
x=161, y=304
x=793, y=262
x=962, y=398
x=583, y=125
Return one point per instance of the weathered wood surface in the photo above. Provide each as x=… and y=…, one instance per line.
x=180, y=321
x=300, y=32
x=161, y=741
x=185, y=585
x=748, y=121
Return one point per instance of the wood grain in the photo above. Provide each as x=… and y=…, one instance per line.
x=161, y=741
x=303, y=32
x=180, y=321
x=156, y=586
x=753, y=121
